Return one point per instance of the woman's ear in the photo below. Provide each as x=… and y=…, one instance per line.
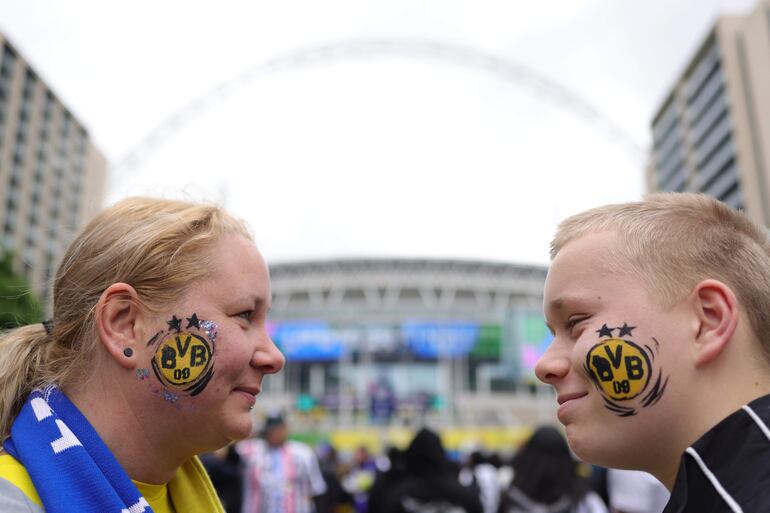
x=717, y=312
x=119, y=319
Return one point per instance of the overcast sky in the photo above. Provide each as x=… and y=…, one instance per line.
x=393, y=152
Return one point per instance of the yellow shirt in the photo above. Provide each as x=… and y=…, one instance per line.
x=190, y=490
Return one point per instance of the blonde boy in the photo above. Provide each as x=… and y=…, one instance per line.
x=660, y=311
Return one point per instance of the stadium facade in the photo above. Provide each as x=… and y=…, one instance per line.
x=378, y=341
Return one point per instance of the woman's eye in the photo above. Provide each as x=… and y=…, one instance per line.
x=246, y=314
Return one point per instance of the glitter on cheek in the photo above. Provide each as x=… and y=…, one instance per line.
x=170, y=396
x=211, y=329
x=142, y=374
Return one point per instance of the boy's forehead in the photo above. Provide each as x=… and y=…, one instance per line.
x=586, y=255
x=581, y=269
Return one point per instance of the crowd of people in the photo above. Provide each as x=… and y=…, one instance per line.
x=272, y=474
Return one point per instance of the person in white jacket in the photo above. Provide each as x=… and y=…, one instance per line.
x=634, y=491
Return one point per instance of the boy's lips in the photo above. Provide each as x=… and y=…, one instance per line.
x=563, y=398
x=566, y=405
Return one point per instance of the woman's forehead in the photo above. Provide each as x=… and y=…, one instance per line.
x=238, y=272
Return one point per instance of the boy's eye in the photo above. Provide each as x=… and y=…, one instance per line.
x=574, y=321
x=246, y=314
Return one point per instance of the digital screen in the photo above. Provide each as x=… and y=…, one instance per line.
x=322, y=341
x=308, y=341
x=440, y=340
x=535, y=339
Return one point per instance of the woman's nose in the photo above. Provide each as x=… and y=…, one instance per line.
x=268, y=357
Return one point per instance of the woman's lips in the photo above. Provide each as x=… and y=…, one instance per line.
x=250, y=393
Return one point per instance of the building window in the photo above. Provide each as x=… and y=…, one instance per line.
x=713, y=141
x=31, y=238
x=733, y=197
x=65, y=127
x=9, y=59
x=15, y=177
x=698, y=103
x=720, y=159
x=702, y=72
x=37, y=192
x=723, y=183
x=713, y=114
x=48, y=106
x=18, y=154
x=8, y=231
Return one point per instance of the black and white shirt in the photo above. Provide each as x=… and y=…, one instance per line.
x=728, y=469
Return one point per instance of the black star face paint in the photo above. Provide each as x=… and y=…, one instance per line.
x=174, y=324
x=622, y=371
x=193, y=322
x=183, y=360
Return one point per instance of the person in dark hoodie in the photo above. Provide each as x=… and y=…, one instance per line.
x=387, y=478
x=428, y=486
x=545, y=479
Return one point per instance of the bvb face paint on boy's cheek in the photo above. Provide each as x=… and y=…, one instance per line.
x=184, y=358
x=622, y=370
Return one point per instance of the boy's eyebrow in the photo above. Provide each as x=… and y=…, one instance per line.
x=556, y=304
x=561, y=302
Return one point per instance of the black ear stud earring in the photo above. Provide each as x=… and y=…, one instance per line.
x=128, y=352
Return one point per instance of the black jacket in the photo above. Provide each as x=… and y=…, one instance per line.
x=728, y=469
x=429, y=486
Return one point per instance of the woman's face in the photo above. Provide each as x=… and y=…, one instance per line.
x=205, y=356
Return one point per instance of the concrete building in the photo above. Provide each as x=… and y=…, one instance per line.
x=386, y=340
x=51, y=175
x=712, y=132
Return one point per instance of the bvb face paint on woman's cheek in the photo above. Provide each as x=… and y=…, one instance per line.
x=622, y=371
x=183, y=361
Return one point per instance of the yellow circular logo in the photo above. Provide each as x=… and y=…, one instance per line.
x=620, y=367
x=183, y=361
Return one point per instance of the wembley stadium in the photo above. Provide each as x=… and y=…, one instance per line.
x=396, y=343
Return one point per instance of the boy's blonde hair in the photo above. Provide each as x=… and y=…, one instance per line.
x=157, y=246
x=672, y=241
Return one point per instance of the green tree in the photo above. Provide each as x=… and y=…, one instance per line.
x=18, y=304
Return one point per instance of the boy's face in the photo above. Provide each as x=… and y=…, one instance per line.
x=617, y=359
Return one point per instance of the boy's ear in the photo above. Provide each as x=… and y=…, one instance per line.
x=118, y=321
x=716, y=309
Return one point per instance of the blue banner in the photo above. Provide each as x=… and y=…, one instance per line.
x=308, y=341
x=440, y=339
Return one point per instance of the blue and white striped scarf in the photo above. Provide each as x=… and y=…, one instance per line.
x=70, y=466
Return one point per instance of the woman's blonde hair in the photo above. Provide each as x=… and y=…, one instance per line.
x=672, y=241
x=157, y=246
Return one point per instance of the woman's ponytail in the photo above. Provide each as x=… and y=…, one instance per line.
x=22, y=357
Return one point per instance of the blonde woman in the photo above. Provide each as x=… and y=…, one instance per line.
x=155, y=352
